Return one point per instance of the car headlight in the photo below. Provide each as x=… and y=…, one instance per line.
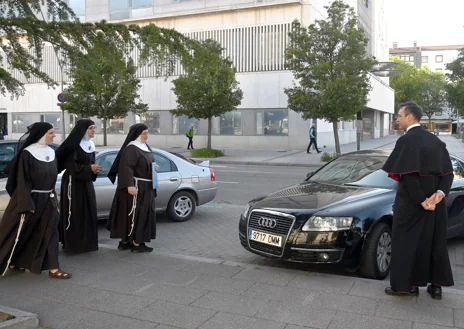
x=318, y=223
x=245, y=213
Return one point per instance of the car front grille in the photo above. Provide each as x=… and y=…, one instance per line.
x=284, y=224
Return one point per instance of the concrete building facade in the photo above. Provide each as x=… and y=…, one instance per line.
x=254, y=34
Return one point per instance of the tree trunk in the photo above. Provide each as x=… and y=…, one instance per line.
x=210, y=128
x=337, y=140
x=104, y=130
x=430, y=124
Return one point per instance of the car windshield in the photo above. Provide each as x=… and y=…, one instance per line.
x=358, y=170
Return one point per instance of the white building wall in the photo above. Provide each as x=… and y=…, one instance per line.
x=448, y=57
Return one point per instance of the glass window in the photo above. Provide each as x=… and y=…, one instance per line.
x=259, y=123
x=182, y=124
x=54, y=119
x=114, y=126
x=425, y=59
x=78, y=6
x=439, y=59
x=276, y=122
x=119, y=15
x=411, y=58
x=355, y=170
x=105, y=161
x=151, y=119
x=165, y=165
x=141, y=3
x=231, y=123
x=22, y=120
x=118, y=4
x=7, y=153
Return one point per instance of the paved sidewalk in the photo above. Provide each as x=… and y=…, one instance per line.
x=116, y=289
x=289, y=157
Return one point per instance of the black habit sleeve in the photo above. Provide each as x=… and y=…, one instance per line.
x=76, y=170
x=445, y=183
x=129, y=158
x=94, y=176
x=24, y=185
x=413, y=186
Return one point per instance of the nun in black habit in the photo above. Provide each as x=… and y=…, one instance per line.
x=29, y=229
x=421, y=164
x=132, y=217
x=78, y=207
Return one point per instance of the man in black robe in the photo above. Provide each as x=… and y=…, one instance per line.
x=422, y=166
x=78, y=206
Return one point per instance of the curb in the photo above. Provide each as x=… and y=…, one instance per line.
x=22, y=320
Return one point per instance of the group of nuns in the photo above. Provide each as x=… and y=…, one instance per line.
x=34, y=222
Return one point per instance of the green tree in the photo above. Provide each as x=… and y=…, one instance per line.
x=407, y=84
x=330, y=64
x=455, y=88
x=209, y=88
x=27, y=26
x=432, y=93
x=104, y=84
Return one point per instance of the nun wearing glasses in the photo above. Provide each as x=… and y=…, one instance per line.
x=78, y=207
x=132, y=217
x=29, y=235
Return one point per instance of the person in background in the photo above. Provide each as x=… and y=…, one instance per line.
x=5, y=132
x=421, y=164
x=78, y=206
x=29, y=235
x=132, y=217
x=312, y=139
x=190, y=137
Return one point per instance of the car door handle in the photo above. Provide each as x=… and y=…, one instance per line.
x=173, y=179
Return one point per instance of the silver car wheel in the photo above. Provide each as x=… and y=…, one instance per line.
x=384, y=252
x=183, y=206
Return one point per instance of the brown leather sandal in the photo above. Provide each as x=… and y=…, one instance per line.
x=59, y=275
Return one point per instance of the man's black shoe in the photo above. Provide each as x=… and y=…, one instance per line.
x=123, y=245
x=392, y=292
x=434, y=291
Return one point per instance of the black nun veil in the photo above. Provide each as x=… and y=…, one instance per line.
x=34, y=133
x=72, y=143
x=134, y=132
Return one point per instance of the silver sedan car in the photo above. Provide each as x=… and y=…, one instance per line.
x=183, y=185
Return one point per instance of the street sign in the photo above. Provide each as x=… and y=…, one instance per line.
x=61, y=98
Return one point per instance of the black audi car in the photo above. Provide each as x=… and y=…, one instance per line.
x=340, y=215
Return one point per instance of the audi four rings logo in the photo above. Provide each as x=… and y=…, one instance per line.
x=267, y=222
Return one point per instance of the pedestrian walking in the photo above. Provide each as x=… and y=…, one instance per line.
x=5, y=132
x=29, y=235
x=312, y=139
x=132, y=217
x=190, y=137
x=78, y=206
x=421, y=164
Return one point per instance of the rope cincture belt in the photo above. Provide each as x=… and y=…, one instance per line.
x=134, y=201
x=69, y=201
x=21, y=223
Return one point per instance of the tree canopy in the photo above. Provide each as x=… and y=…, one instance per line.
x=330, y=63
x=27, y=26
x=104, y=84
x=455, y=88
x=209, y=87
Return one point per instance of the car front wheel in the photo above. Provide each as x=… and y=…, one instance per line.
x=376, y=254
x=182, y=206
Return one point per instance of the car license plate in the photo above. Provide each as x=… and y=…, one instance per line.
x=270, y=239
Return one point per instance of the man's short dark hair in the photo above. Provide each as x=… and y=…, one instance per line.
x=412, y=108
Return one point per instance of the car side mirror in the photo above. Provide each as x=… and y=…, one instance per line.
x=309, y=174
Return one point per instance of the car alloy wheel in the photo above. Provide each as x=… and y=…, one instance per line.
x=384, y=252
x=183, y=206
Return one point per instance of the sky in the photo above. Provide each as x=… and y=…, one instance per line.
x=429, y=22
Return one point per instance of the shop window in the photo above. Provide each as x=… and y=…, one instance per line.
x=151, y=119
x=181, y=124
x=231, y=123
x=276, y=122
